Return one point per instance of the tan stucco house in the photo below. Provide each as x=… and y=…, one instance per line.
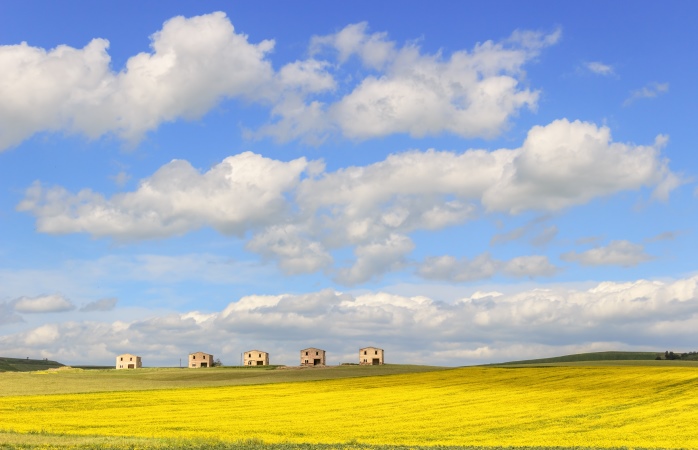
x=128, y=361
x=371, y=356
x=200, y=359
x=256, y=358
x=312, y=357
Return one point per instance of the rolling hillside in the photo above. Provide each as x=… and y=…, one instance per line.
x=595, y=356
x=26, y=365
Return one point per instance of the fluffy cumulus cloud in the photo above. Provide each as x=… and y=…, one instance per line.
x=290, y=245
x=616, y=253
x=239, y=193
x=568, y=163
x=483, y=327
x=299, y=213
x=376, y=258
x=193, y=63
x=470, y=93
x=43, y=304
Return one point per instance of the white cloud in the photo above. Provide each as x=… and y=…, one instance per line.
x=299, y=213
x=651, y=90
x=484, y=266
x=376, y=258
x=43, y=304
x=483, y=327
x=616, y=253
x=242, y=192
x=374, y=49
x=105, y=304
x=559, y=165
x=469, y=94
x=599, y=68
x=454, y=269
x=569, y=163
x=44, y=335
x=295, y=253
x=529, y=266
x=307, y=76
x=194, y=63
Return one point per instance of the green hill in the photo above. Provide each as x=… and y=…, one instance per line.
x=595, y=356
x=26, y=365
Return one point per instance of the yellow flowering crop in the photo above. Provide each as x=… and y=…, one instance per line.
x=553, y=406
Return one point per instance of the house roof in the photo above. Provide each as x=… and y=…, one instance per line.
x=252, y=351
x=312, y=348
x=203, y=353
x=373, y=348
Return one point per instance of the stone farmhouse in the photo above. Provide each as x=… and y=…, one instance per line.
x=312, y=357
x=256, y=358
x=371, y=356
x=200, y=359
x=128, y=361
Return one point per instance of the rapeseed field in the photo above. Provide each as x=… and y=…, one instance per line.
x=600, y=407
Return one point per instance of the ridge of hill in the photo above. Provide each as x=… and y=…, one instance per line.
x=593, y=356
x=26, y=365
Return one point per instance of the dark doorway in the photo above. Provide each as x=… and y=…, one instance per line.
x=131, y=366
x=376, y=361
x=260, y=363
x=204, y=364
x=316, y=362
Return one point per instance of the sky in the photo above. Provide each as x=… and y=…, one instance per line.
x=454, y=182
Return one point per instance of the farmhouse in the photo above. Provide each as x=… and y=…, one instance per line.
x=128, y=361
x=312, y=357
x=371, y=356
x=200, y=359
x=256, y=358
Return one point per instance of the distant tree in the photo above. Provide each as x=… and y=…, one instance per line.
x=217, y=363
x=671, y=355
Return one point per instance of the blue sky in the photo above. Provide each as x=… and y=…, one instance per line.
x=456, y=183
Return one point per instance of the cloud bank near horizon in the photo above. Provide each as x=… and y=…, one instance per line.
x=483, y=327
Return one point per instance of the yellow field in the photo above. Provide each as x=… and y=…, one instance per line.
x=554, y=406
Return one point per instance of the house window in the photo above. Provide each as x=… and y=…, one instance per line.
x=376, y=352
x=122, y=358
x=306, y=354
x=365, y=352
x=250, y=355
x=260, y=355
x=306, y=361
x=249, y=363
x=193, y=357
x=316, y=353
x=130, y=359
x=204, y=357
x=193, y=365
